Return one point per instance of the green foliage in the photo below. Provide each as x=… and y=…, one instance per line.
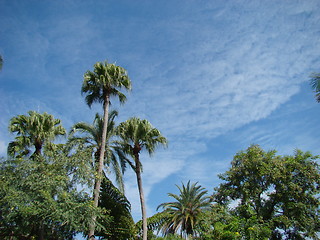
x=39, y=197
x=218, y=223
x=277, y=195
x=168, y=237
x=120, y=225
x=137, y=135
x=33, y=130
x=154, y=222
x=315, y=84
x=89, y=136
x=104, y=81
x=185, y=212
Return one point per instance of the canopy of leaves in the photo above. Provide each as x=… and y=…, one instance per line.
x=280, y=193
x=89, y=136
x=184, y=213
x=120, y=225
x=39, y=197
x=104, y=81
x=34, y=130
x=137, y=134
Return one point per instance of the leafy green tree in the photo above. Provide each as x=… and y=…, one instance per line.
x=279, y=193
x=218, y=223
x=168, y=237
x=184, y=213
x=34, y=130
x=39, y=197
x=315, y=84
x=90, y=136
x=99, y=85
x=121, y=225
x=137, y=135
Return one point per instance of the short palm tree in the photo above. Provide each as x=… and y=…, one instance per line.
x=90, y=136
x=99, y=85
x=121, y=226
x=315, y=84
x=136, y=135
x=34, y=130
x=184, y=213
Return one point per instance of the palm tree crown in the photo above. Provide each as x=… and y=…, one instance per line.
x=185, y=211
x=105, y=80
x=137, y=134
x=33, y=130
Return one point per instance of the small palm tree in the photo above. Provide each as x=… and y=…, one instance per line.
x=91, y=137
x=1, y=62
x=33, y=130
x=184, y=213
x=99, y=85
x=315, y=84
x=137, y=135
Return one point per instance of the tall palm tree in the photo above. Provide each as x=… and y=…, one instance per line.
x=99, y=85
x=91, y=137
x=183, y=214
x=33, y=130
x=137, y=135
x=315, y=84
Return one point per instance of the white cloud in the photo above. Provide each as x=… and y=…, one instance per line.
x=226, y=77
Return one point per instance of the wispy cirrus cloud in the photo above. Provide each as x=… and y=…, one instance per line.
x=236, y=67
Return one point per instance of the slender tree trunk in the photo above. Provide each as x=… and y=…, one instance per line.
x=38, y=149
x=96, y=191
x=41, y=231
x=142, y=201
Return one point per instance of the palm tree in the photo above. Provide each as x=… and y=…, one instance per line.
x=33, y=130
x=122, y=225
x=315, y=84
x=91, y=137
x=184, y=213
x=105, y=81
x=135, y=135
x=1, y=62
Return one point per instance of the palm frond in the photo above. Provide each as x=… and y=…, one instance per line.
x=315, y=84
x=185, y=211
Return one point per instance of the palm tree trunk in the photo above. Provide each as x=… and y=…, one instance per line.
x=96, y=191
x=142, y=201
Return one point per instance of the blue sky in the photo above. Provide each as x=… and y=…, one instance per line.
x=212, y=76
